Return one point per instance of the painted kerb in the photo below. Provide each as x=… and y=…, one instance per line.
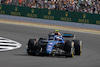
x=50, y=14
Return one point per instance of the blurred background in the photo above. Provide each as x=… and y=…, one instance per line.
x=86, y=6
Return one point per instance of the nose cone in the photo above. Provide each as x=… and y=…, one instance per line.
x=48, y=51
x=50, y=46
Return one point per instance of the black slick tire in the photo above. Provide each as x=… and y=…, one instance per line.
x=69, y=48
x=78, y=47
x=31, y=46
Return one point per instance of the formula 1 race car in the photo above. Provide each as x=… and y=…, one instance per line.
x=56, y=44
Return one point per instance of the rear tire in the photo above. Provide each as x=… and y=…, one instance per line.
x=31, y=46
x=78, y=47
x=69, y=48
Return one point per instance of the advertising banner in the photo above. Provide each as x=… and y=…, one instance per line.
x=50, y=14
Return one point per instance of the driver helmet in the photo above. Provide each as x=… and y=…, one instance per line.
x=57, y=33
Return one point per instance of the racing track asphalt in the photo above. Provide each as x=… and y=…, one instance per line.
x=18, y=58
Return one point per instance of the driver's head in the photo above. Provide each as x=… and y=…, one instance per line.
x=57, y=33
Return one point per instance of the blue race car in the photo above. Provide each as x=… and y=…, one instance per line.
x=56, y=44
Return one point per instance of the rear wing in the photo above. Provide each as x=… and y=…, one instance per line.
x=67, y=35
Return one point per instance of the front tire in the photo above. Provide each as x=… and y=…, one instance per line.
x=78, y=47
x=69, y=48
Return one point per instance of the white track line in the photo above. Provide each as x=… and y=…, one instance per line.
x=8, y=44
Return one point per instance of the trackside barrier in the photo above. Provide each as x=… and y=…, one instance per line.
x=50, y=14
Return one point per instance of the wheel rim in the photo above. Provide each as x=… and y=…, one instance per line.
x=72, y=54
x=81, y=48
x=72, y=51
